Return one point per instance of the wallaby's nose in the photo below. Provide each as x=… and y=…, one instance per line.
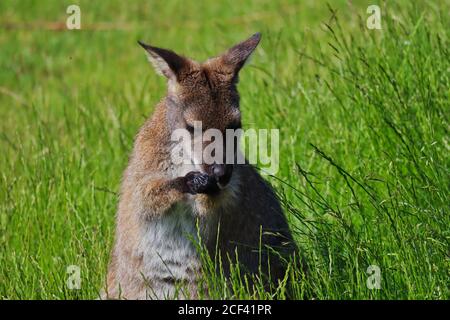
x=222, y=173
x=218, y=170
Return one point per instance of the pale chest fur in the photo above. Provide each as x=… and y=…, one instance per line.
x=167, y=243
x=167, y=250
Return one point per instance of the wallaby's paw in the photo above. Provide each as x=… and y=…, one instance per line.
x=198, y=182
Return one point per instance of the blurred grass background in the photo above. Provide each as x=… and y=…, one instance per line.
x=363, y=119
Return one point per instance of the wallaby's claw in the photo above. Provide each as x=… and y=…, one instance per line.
x=198, y=182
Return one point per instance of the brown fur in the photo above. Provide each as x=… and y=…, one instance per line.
x=151, y=197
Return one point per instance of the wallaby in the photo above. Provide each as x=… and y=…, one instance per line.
x=165, y=206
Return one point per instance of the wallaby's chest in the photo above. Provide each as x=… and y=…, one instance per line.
x=168, y=246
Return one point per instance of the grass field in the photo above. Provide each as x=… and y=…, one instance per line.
x=363, y=118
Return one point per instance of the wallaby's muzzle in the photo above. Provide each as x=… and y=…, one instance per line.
x=222, y=173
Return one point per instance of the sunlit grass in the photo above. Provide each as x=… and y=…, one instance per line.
x=363, y=119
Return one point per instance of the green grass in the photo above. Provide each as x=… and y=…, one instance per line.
x=363, y=118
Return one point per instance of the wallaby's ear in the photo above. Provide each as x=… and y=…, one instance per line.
x=236, y=57
x=166, y=62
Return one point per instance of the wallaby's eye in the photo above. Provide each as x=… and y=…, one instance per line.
x=190, y=128
x=234, y=126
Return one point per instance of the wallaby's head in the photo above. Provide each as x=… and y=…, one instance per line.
x=204, y=92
